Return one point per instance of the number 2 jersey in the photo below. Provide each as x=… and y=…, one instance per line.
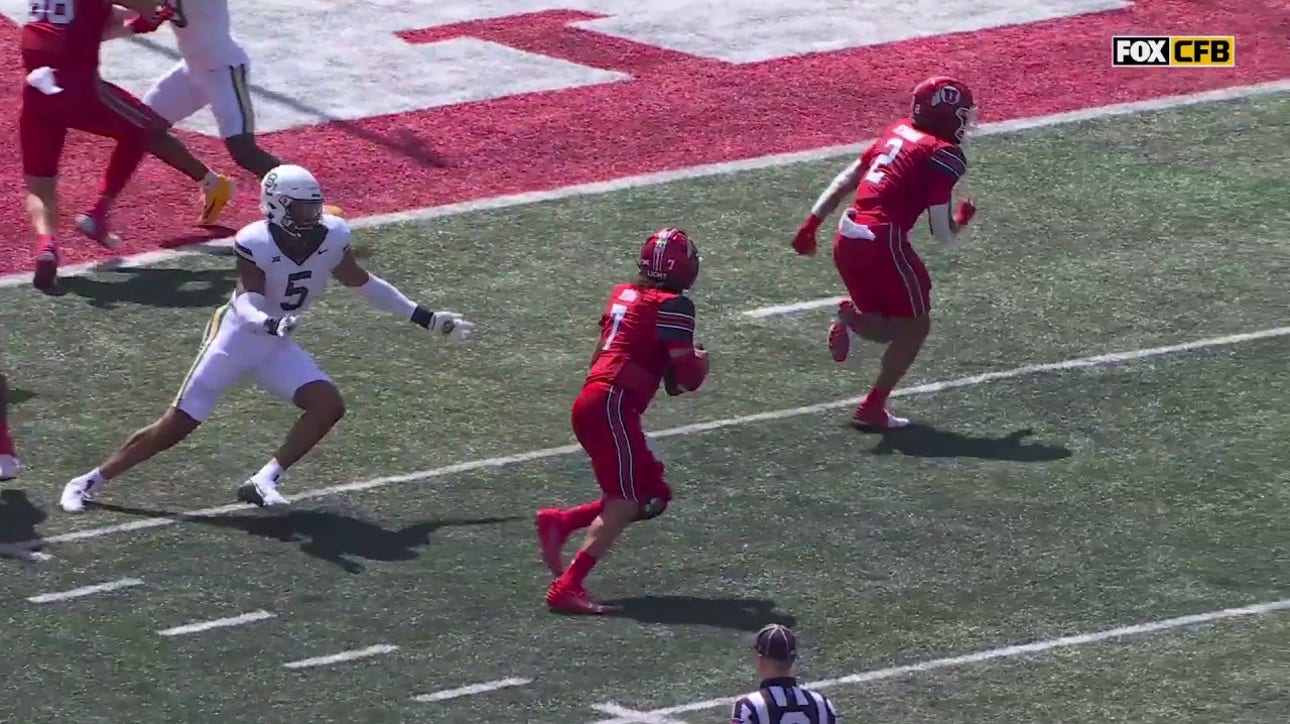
x=903, y=173
x=638, y=325
x=291, y=284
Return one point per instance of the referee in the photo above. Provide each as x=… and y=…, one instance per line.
x=779, y=700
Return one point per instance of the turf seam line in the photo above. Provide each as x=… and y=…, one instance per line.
x=686, y=173
x=86, y=590
x=551, y=452
x=1004, y=652
x=471, y=690
x=343, y=656
x=217, y=623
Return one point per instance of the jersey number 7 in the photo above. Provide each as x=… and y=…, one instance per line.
x=616, y=314
x=300, y=293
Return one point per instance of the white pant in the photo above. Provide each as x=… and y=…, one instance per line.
x=182, y=92
x=230, y=352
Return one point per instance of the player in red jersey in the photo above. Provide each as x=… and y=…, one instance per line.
x=911, y=167
x=647, y=337
x=63, y=90
x=9, y=465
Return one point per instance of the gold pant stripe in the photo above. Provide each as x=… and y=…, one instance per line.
x=212, y=330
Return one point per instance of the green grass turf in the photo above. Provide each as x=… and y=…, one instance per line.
x=1143, y=491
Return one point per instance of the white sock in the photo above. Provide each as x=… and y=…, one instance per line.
x=209, y=182
x=270, y=472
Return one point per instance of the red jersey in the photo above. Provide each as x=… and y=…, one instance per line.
x=905, y=172
x=65, y=34
x=638, y=326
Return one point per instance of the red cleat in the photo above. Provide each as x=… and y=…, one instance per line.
x=877, y=418
x=551, y=537
x=574, y=601
x=46, y=277
x=839, y=331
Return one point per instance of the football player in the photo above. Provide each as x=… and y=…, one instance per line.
x=283, y=263
x=212, y=72
x=9, y=465
x=911, y=167
x=646, y=337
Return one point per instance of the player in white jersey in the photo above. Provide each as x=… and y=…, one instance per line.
x=283, y=264
x=213, y=72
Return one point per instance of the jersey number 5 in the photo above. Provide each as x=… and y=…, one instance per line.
x=616, y=314
x=876, y=174
x=300, y=293
x=55, y=12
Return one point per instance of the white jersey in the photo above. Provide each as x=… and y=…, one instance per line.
x=291, y=286
x=205, y=34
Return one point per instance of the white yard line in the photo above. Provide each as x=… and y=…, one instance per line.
x=632, y=715
x=471, y=690
x=793, y=308
x=86, y=590
x=1005, y=652
x=551, y=452
x=702, y=171
x=343, y=656
x=245, y=618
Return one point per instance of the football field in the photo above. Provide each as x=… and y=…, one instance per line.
x=1103, y=410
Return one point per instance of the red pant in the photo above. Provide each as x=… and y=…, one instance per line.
x=86, y=103
x=608, y=427
x=884, y=275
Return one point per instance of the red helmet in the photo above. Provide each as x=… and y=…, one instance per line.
x=669, y=257
x=944, y=108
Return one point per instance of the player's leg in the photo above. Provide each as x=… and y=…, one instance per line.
x=855, y=261
x=174, y=97
x=9, y=465
x=230, y=99
x=291, y=374
x=222, y=361
x=906, y=306
x=41, y=138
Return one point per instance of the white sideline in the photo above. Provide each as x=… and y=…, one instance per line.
x=245, y=618
x=646, y=717
x=472, y=690
x=342, y=657
x=550, y=452
x=86, y=590
x=705, y=170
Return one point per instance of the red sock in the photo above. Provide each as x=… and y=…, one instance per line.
x=125, y=158
x=6, y=440
x=577, y=571
x=46, y=243
x=877, y=398
x=580, y=517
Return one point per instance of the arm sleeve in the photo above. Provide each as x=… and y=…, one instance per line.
x=386, y=297
x=676, y=321
x=946, y=166
x=249, y=306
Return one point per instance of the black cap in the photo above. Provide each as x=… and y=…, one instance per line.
x=777, y=643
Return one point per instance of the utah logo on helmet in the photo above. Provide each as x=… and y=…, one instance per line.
x=671, y=259
x=944, y=108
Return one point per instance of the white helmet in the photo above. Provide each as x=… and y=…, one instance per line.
x=291, y=198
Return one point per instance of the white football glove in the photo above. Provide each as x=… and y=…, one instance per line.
x=452, y=325
x=281, y=326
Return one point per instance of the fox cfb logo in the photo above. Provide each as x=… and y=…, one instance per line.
x=1173, y=51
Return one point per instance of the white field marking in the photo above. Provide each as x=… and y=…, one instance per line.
x=778, y=309
x=991, y=654
x=343, y=656
x=86, y=590
x=690, y=172
x=188, y=628
x=471, y=690
x=632, y=715
x=551, y=452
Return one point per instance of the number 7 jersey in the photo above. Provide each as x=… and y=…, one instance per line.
x=903, y=173
x=638, y=325
x=292, y=284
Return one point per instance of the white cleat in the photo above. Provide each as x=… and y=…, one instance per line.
x=77, y=493
x=10, y=468
x=261, y=493
x=878, y=419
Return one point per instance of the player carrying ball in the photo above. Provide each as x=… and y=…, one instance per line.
x=647, y=337
x=913, y=165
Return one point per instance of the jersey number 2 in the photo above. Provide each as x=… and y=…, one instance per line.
x=55, y=12
x=300, y=293
x=616, y=314
x=876, y=174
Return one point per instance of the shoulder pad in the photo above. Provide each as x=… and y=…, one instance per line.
x=250, y=240
x=337, y=230
x=949, y=159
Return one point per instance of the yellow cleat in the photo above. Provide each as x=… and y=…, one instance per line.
x=216, y=198
x=333, y=210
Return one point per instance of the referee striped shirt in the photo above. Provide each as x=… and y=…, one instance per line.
x=782, y=701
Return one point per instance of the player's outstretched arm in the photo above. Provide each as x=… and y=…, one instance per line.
x=249, y=302
x=136, y=17
x=387, y=297
x=843, y=185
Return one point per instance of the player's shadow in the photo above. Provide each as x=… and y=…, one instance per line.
x=333, y=537
x=18, y=520
x=174, y=288
x=17, y=395
x=928, y=442
x=744, y=614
